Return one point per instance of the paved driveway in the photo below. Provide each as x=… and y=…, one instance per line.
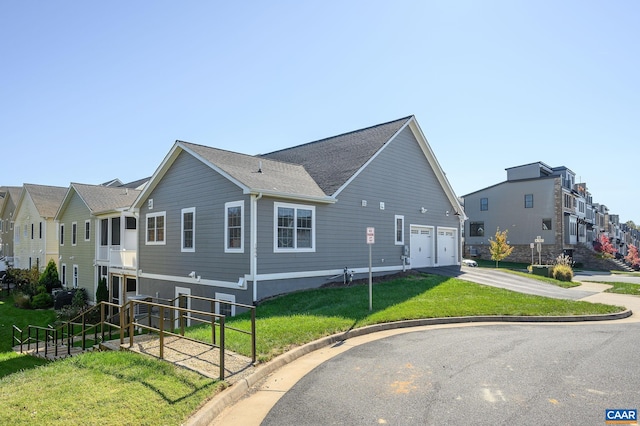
x=510, y=281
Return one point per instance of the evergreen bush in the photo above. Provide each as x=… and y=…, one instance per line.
x=102, y=292
x=42, y=301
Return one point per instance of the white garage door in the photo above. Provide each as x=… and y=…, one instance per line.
x=447, y=253
x=421, y=246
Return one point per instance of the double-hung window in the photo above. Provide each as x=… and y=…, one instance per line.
x=484, y=204
x=528, y=201
x=294, y=228
x=399, y=231
x=234, y=227
x=155, y=228
x=74, y=233
x=188, y=229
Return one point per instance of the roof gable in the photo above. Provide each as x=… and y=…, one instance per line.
x=333, y=161
x=46, y=199
x=100, y=199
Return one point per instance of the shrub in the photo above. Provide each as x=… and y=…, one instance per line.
x=102, y=292
x=80, y=298
x=22, y=300
x=49, y=277
x=562, y=273
x=42, y=301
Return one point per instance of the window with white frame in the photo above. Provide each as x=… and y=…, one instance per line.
x=63, y=274
x=40, y=231
x=294, y=228
x=62, y=234
x=87, y=230
x=188, y=229
x=155, y=228
x=225, y=304
x=234, y=227
x=75, y=276
x=74, y=233
x=399, y=231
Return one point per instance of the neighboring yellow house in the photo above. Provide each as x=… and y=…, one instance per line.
x=35, y=233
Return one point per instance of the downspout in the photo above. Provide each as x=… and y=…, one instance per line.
x=254, y=244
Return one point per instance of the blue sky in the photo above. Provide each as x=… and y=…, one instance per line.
x=90, y=91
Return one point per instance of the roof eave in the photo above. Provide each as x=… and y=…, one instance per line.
x=295, y=197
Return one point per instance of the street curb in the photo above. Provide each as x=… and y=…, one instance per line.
x=237, y=391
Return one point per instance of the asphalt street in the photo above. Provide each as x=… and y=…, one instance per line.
x=486, y=375
x=463, y=374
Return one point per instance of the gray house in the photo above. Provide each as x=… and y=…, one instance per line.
x=242, y=228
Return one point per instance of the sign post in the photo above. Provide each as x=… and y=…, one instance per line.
x=371, y=240
x=539, y=240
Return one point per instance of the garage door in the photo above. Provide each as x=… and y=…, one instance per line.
x=447, y=253
x=421, y=246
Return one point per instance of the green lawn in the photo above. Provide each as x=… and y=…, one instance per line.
x=623, y=288
x=126, y=388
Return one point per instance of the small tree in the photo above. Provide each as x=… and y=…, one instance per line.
x=499, y=248
x=49, y=278
x=632, y=257
x=102, y=292
x=605, y=248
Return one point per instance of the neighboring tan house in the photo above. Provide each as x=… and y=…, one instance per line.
x=241, y=228
x=35, y=235
x=98, y=239
x=10, y=196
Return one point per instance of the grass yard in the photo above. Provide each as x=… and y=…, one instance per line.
x=623, y=288
x=125, y=388
x=298, y=318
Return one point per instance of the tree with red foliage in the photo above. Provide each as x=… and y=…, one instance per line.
x=605, y=247
x=632, y=257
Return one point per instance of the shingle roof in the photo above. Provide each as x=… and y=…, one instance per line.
x=259, y=174
x=332, y=161
x=101, y=199
x=47, y=199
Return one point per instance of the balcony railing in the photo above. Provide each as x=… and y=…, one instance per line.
x=123, y=259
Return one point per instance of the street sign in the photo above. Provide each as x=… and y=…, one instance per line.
x=371, y=235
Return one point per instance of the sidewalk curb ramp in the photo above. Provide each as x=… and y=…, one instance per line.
x=210, y=410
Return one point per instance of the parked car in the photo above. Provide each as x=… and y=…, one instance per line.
x=469, y=262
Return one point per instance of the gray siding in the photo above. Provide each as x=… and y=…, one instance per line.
x=190, y=183
x=401, y=178
x=507, y=212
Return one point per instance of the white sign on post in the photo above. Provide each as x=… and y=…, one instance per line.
x=371, y=235
x=371, y=239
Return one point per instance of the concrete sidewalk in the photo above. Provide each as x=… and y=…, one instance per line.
x=248, y=401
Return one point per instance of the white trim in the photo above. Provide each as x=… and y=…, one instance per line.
x=194, y=281
x=227, y=206
x=75, y=276
x=74, y=234
x=295, y=248
x=63, y=274
x=325, y=273
x=146, y=229
x=395, y=228
x=193, y=230
x=178, y=292
x=228, y=298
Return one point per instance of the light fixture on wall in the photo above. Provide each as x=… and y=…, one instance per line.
x=192, y=274
x=423, y=210
x=447, y=213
